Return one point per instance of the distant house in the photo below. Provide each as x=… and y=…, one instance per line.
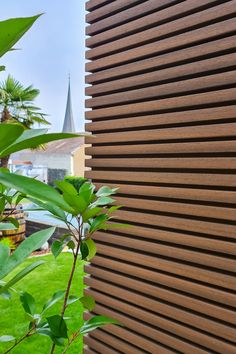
x=58, y=158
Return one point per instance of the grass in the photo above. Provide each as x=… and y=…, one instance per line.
x=42, y=283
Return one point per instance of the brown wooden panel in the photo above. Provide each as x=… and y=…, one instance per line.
x=162, y=119
x=162, y=114
x=143, y=329
x=173, y=43
x=181, y=87
x=124, y=16
x=159, y=76
x=162, y=30
x=151, y=19
x=173, y=327
x=197, y=321
x=171, y=163
x=92, y=4
x=100, y=347
x=169, y=251
x=171, y=281
x=206, y=179
x=162, y=294
x=175, y=193
x=171, y=267
x=158, y=135
x=109, y=9
x=159, y=62
x=199, y=99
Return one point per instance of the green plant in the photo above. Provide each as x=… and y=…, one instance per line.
x=84, y=211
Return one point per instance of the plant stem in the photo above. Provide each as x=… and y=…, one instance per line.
x=68, y=289
x=73, y=338
x=28, y=334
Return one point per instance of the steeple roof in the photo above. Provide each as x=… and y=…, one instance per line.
x=68, y=125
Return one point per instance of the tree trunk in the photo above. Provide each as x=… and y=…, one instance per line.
x=4, y=118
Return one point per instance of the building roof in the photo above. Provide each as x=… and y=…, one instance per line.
x=66, y=146
x=68, y=125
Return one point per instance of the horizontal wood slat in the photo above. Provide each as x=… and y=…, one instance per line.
x=166, y=29
x=161, y=111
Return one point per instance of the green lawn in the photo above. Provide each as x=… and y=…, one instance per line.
x=42, y=283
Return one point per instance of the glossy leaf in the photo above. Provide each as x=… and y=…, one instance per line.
x=7, y=226
x=20, y=275
x=56, y=248
x=91, y=247
x=88, y=302
x=95, y=322
x=91, y=213
x=34, y=189
x=105, y=191
x=58, y=326
x=54, y=299
x=103, y=201
x=84, y=250
x=28, y=302
x=8, y=134
x=72, y=299
x=7, y=338
x=29, y=245
x=12, y=30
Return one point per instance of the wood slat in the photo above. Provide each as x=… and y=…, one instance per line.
x=162, y=294
x=92, y=4
x=199, y=99
x=163, y=30
x=163, y=337
x=169, y=251
x=99, y=346
x=172, y=327
x=109, y=9
x=171, y=267
x=157, y=77
x=173, y=43
x=216, y=180
x=164, y=119
x=162, y=148
x=172, y=282
x=194, y=53
x=126, y=16
x=158, y=135
x=171, y=312
x=175, y=193
x=151, y=19
x=210, y=82
x=223, y=163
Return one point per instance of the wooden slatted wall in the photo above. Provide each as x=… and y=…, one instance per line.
x=162, y=86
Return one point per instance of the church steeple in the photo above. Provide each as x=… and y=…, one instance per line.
x=69, y=125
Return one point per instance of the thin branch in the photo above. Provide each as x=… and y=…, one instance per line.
x=25, y=336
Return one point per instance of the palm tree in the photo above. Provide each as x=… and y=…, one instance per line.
x=17, y=106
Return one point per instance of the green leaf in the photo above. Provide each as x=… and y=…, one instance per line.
x=54, y=299
x=13, y=221
x=8, y=134
x=12, y=30
x=58, y=326
x=91, y=247
x=7, y=226
x=90, y=213
x=21, y=275
x=28, y=302
x=56, y=248
x=105, y=191
x=29, y=245
x=4, y=254
x=34, y=189
x=71, y=245
x=48, y=332
x=76, y=202
x=95, y=322
x=113, y=208
x=103, y=201
x=53, y=209
x=84, y=250
x=99, y=220
x=7, y=338
x=2, y=68
x=88, y=302
x=32, y=138
x=72, y=299
x=66, y=187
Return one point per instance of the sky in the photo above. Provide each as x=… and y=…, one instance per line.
x=49, y=51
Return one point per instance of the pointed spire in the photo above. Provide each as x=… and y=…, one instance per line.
x=69, y=125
